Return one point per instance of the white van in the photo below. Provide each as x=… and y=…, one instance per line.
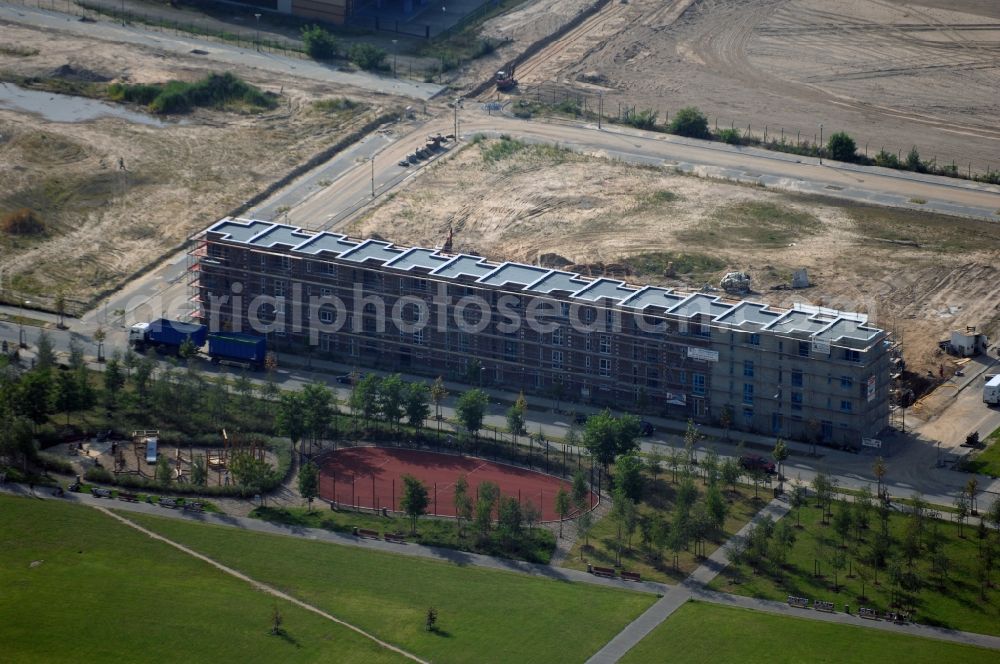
x=991, y=391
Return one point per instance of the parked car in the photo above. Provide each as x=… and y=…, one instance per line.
x=757, y=462
x=350, y=378
x=404, y=163
x=580, y=418
x=646, y=428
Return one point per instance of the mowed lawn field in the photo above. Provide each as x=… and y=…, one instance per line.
x=483, y=615
x=78, y=586
x=700, y=632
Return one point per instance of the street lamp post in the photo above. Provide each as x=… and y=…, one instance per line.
x=20, y=336
x=394, y=51
x=373, y=175
x=123, y=12
x=257, y=16
x=821, y=144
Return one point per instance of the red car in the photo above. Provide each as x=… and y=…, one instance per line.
x=757, y=462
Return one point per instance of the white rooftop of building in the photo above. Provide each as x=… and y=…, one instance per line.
x=802, y=320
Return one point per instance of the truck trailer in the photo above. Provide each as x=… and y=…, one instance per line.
x=991, y=391
x=166, y=335
x=237, y=349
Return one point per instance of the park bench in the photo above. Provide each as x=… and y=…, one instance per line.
x=364, y=532
x=798, y=602
x=128, y=497
x=823, y=606
x=392, y=537
x=168, y=502
x=608, y=572
x=632, y=576
x=870, y=614
x=194, y=507
x=100, y=493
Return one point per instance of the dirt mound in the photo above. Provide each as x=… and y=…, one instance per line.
x=68, y=72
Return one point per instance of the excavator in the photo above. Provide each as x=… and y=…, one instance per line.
x=505, y=79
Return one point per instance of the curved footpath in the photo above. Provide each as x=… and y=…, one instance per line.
x=672, y=597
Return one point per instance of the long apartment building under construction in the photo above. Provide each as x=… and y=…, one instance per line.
x=803, y=372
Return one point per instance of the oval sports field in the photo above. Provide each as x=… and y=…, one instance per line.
x=371, y=477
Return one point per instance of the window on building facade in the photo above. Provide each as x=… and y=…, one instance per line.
x=747, y=392
x=605, y=347
x=557, y=359
x=754, y=339
x=698, y=383
x=803, y=349
x=796, y=401
x=748, y=368
x=846, y=405
x=796, y=379
x=557, y=337
x=852, y=355
x=326, y=315
x=418, y=337
x=279, y=288
x=285, y=262
x=331, y=268
x=846, y=382
x=605, y=367
x=326, y=292
x=510, y=351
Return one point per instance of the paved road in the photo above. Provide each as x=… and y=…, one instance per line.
x=218, y=52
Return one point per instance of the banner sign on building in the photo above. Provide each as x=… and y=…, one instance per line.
x=871, y=387
x=871, y=442
x=821, y=347
x=675, y=399
x=703, y=354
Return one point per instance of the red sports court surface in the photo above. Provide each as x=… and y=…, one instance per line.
x=370, y=477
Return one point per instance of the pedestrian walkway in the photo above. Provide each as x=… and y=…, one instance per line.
x=639, y=628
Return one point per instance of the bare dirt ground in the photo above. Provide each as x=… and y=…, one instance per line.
x=916, y=273
x=892, y=73
x=104, y=223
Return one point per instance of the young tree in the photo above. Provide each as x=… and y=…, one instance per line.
x=689, y=121
x=438, y=394
x=607, y=437
x=584, y=525
x=462, y=502
x=60, y=306
x=67, y=393
x=780, y=454
x=486, y=500
x=318, y=406
x=364, y=397
x=510, y=521
x=782, y=540
x=414, y=502
x=879, y=469
x=726, y=419
x=531, y=514
x=673, y=462
x=961, y=511
x=654, y=462
x=164, y=474
x=416, y=404
x=114, y=380
x=798, y=500
x=391, y=398
x=515, y=417
x=562, y=507
x=628, y=476
x=824, y=493
x=841, y=147
x=838, y=561
x=99, y=336
x=309, y=482
x=291, y=418
x=731, y=472
x=319, y=44
x=45, y=355
x=251, y=473
x=842, y=522
x=710, y=464
x=199, y=471
x=580, y=492
x=471, y=409
x=691, y=438
x=717, y=507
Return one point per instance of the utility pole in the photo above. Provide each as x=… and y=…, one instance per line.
x=456, y=120
x=600, y=109
x=394, y=51
x=20, y=336
x=373, y=175
x=257, y=16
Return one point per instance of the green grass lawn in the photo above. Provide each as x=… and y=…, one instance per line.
x=987, y=461
x=658, y=501
x=952, y=602
x=535, y=546
x=101, y=591
x=484, y=615
x=700, y=632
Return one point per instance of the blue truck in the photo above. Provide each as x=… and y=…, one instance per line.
x=166, y=335
x=232, y=348
x=237, y=349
